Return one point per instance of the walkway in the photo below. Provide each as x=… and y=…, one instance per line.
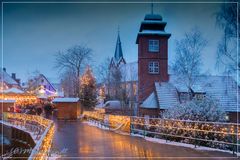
x=82, y=140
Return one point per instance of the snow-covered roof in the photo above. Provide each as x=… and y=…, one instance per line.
x=150, y=102
x=152, y=25
x=166, y=94
x=153, y=32
x=153, y=22
x=113, y=104
x=13, y=90
x=221, y=88
x=7, y=101
x=56, y=100
x=197, y=89
x=37, y=81
x=42, y=96
x=181, y=88
x=153, y=17
x=5, y=77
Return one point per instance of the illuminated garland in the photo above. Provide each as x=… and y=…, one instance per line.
x=212, y=134
x=42, y=148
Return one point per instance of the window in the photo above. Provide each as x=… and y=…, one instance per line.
x=184, y=97
x=199, y=96
x=153, y=46
x=153, y=67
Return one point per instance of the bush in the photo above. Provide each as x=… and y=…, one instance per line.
x=205, y=109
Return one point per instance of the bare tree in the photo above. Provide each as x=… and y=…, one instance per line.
x=104, y=74
x=31, y=82
x=128, y=86
x=116, y=82
x=68, y=83
x=188, y=57
x=74, y=60
x=228, y=20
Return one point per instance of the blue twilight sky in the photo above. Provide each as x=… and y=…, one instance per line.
x=33, y=32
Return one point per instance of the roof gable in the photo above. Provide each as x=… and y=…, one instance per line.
x=5, y=77
x=150, y=101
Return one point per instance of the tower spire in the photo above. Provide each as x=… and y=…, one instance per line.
x=118, y=51
x=152, y=7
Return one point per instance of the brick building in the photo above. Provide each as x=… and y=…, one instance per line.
x=159, y=90
x=152, y=43
x=157, y=87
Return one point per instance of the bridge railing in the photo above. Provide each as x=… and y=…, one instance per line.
x=113, y=122
x=225, y=136
x=42, y=129
x=210, y=134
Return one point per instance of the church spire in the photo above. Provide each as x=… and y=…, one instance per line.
x=118, y=59
x=118, y=50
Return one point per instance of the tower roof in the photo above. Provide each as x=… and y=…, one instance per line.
x=153, y=25
x=118, y=50
x=153, y=17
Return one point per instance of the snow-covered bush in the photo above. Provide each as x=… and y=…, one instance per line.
x=206, y=109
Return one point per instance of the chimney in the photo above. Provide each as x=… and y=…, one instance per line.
x=18, y=81
x=4, y=69
x=14, y=76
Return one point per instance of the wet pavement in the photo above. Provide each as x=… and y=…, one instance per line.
x=79, y=140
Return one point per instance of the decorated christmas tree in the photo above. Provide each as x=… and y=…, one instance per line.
x=88, y=91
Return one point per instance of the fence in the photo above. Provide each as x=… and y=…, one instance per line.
x=210, y=134
x=113, y=122
x=42, y=128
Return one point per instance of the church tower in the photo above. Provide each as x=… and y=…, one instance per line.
x=118, y=55
x=152, y=43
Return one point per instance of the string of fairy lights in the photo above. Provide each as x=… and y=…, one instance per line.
x=42, y=148
x=211, y=132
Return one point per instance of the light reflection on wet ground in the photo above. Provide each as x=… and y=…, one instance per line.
x=82, y=140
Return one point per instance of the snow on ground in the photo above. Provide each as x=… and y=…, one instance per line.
x=34, y=136
x=66, y=99
x=92, y=123
x=163, y=141
x=54, y=157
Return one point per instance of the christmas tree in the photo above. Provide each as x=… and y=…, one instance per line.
x=88, y=90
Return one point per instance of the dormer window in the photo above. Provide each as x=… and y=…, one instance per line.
x=153, y=45
x=199, y=96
